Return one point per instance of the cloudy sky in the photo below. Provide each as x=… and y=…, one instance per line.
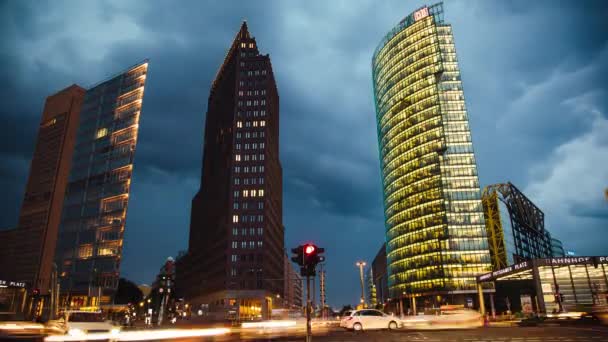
x=533, y=72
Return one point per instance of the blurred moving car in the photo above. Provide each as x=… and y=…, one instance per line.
x=369, y=319
x=20, y=329
x=448, y=318
x=82, y=322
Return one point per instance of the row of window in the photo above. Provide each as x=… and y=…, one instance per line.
x=244, y=244
x=248, y=135
x=253, y=146
x=251, y=92
x=247, y=169
x=255, y=123
x=249, y=113
x=245, y=205
x=247, y=157
x=247, y=218
x=252, y=231
x=247, y=181
x=250, y=103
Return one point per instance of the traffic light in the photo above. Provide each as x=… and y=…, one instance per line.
x=308, y=256
x=298, y=256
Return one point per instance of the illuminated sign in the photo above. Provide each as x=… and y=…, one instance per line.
x=503, y=271
x=421, y=13
x=8, y=283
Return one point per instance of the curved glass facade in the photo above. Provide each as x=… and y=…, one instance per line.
x=435, y=235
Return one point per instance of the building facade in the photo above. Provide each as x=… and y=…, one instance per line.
x=550, y=285
x=515, y=225
x=235, y=253
x=380, y=276
x=26, y=252
x=90, y=240
x=435, y=235
x=292, y=284
x=557, y=248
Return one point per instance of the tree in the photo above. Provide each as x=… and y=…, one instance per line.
x=127, y=292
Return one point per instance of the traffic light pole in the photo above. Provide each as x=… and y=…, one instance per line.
x=308, y=323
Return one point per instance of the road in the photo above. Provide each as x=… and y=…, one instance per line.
x=586, y=333
x=515, y=334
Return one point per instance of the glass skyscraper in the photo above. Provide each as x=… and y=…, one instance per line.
x=89, y=245
x=435, y=236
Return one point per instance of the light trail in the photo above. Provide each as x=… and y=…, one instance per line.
x=141, y=335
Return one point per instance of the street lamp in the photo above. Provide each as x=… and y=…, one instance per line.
x=361, y=264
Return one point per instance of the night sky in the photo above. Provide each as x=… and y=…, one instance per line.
x=534, y=76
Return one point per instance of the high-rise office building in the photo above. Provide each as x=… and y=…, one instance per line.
x=235, y=253
x=26, y=252
x=89, y=245
x=435, y=236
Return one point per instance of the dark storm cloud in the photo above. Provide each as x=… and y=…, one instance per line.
x=532, y=71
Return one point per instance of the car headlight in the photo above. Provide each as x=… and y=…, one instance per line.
x=75, y=332
x=114, y=331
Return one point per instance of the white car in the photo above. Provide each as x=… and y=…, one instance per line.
x=369, y=319
x=77, y=323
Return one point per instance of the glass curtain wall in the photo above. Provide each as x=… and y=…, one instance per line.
x=435, y=232
x=90, y=238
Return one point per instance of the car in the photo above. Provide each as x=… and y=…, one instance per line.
x=75, y=323
x=343, y=320
x=369, y=319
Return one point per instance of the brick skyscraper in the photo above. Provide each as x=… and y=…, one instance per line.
x=235, y=256
x=26, y=253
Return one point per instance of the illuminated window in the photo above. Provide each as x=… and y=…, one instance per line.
x=261, y=145
x=235, y=218
x=262, y=157
x=253, y=193
x=245, y=193
x=85, y=251
x=255, y=124
x=233, y=258
x=240, y=93
x=237, y=157
x=262, y=123
x=108, y=249
x=261, y=192
x=260, y=243
x=102, y=132
x=239, y=124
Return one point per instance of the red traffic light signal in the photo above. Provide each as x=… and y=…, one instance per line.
x=309, y=249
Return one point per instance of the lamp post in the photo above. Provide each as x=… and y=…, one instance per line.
x=362, y=264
